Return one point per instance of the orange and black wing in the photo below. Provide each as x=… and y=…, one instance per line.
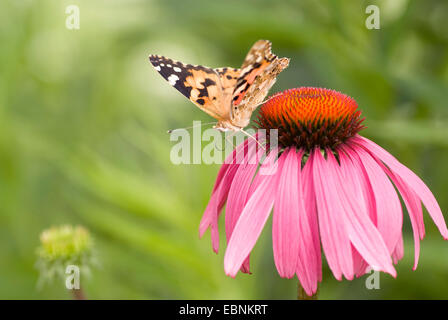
x=205, y=87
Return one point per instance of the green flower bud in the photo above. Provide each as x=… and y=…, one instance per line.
x=62, y=247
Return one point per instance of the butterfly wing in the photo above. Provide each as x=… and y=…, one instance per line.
x=258, y=91
x=257, y=59
x=258, y=74
x=228, y=78
x=227, y=94
x=207, y=88
x=261, y=50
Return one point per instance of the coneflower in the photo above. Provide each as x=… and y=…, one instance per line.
x=330, y=187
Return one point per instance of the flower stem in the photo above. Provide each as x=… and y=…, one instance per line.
x=78, y=294
x=301, y=294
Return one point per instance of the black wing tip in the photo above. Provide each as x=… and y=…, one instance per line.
x=156, y=60
x=153, y=58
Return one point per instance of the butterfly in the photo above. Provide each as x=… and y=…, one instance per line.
x=229, y=95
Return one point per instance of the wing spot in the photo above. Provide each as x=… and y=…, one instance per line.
x=177, y=69
x=208, y=82
x=172, y=79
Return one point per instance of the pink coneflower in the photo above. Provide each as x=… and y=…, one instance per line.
x=330, y=187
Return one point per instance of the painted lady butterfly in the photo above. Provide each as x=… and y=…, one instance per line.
x=229, y=95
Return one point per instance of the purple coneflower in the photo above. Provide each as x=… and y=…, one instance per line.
x=330, y=187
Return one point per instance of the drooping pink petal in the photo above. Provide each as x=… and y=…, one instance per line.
x=255, y=183
x=417, y=205
x=239, y=190
x=239, y=154
x=335, y=240
x=228, y=163
x=252, y=219
x=399, y=251
x=389, y=215
x=361, y=231
x=239, y=194
x=220, y=192
x=311, y=212
x=285, y=223
x=308, y=271
x=406, y=191
x=411, y=179
x=385, y=213
x=214, y=207
x=366, y=199
x=359, y=264
x=414, y=207
x=260, y=175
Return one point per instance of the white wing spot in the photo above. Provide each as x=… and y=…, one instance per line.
x=162, y=64
x=177, y=69
x=172, y=79
x=168, y=65
x=157, y=68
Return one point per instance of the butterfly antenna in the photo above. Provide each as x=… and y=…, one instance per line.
x=195, y=126
x=252, y=137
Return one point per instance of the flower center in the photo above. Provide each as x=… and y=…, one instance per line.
x=309, y=117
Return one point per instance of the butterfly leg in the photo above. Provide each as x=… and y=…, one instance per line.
x=252, y=137
x=227, y=139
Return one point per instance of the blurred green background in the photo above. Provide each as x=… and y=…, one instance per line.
x=83, y=120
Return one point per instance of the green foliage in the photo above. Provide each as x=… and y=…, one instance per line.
x=83, y=120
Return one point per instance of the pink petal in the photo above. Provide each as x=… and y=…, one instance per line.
x=308, y=271
x=359, y=264
x=411, y=179
x=414, y=207
x=335, y=240
x=362, y=232
x=220, y=191
x=389, y=215
x=215, y=205
x=239, y=194
x=239, y=190
x=311, y=212
x=366, y=198
x=399, y=251
x=252, y=220
x=285, y=226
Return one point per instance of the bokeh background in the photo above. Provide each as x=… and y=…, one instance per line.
x=83, y=120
